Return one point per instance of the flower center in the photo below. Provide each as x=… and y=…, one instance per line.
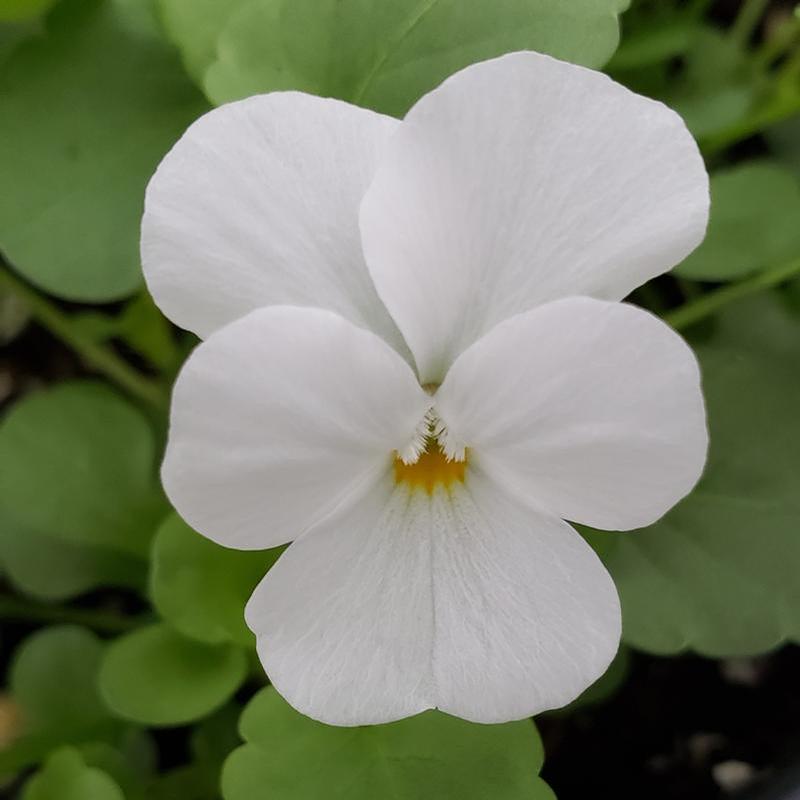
x=431, y=470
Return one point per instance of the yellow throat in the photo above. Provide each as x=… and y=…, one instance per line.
x=432, y=470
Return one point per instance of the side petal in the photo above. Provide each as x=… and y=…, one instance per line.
x=257, y=204
x=279, y=418
x=467, y=601
x=523, y=180
x=592, y=409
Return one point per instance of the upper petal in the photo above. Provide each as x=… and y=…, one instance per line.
x=522, y=180
x=593, y=409
x=257, y=204
x=279, y=418
x=468, y=601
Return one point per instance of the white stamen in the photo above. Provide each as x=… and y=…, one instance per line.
x=432, y=426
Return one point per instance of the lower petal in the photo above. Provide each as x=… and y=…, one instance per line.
x=527, y=617
x=344, y=619
x=466, y=600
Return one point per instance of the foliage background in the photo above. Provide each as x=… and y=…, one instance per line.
x=129, y=671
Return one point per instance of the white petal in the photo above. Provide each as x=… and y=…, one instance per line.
x=592, y=409
x=257, y=205
x=470, y=602
x=344, y=619
x=280, y=417
x=519, y=181
x=526, y=615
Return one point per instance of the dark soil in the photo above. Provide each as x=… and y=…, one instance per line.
x=684, y=728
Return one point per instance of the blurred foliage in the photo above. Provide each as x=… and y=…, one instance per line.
x=146, y=626
x=66, y=776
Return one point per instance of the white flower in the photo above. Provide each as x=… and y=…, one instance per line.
x=378, y=297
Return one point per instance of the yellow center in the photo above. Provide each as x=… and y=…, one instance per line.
x=433, y=469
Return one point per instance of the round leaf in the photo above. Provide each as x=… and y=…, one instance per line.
x=755, y=223
x=288, y=756
x=385, y=55
x=201, y=588
x=718, y=574
x=89, y=109
x=54, y=680
x=65, y=776
x=158, y=677
x=78, y=463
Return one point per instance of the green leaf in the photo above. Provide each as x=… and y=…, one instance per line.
x=201, y=588
x=88, y=111
x=194, y=25
x=718, y=574
x=289, y=756
x=52, y=569
x=755, y=223
x=385, y=55
x=158, y=677
x=66, y=776
x=78, y=463
x=54, y=680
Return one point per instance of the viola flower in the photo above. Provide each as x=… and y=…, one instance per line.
x=416, y=368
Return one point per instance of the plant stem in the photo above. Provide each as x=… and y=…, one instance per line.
x=710, y=303
x=780, y=43
x=745, y=23
x=698, y=8
x=18, y=609
x=97, y=355
x=781, y=109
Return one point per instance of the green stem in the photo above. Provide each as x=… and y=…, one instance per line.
x=790, y=70
x=779, y=110
x=747, y=19
x=710, y=303
x=648, y=296
x=780, y=43
x=97, y=355
x=16, y=609
x=698, y=8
